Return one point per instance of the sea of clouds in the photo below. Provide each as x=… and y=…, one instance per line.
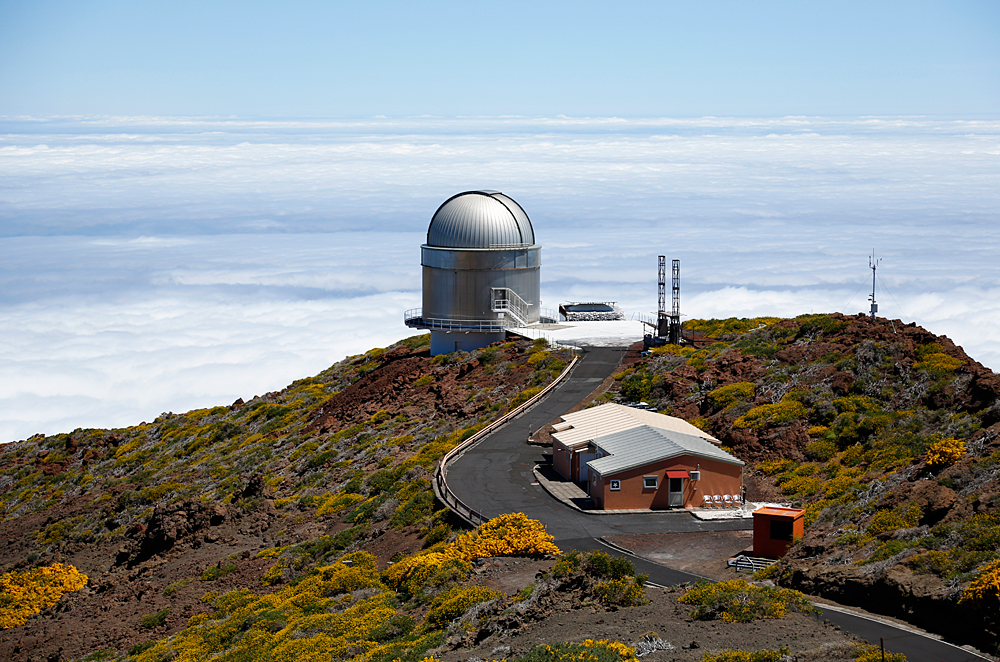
x=163, y=264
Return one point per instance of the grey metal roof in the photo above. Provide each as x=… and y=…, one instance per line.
x=480, y=219
x=580, y=427
x=645, y=444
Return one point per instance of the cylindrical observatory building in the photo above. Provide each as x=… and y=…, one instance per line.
x=480, y=272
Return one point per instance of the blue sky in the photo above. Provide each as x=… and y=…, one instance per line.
x=631, y=59
x=206, y=201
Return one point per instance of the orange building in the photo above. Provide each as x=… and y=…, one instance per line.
x=634, y=459
x=775, y=529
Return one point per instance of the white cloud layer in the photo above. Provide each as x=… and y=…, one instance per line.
x=153, y=264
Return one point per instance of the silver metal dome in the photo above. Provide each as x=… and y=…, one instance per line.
x=480, y=219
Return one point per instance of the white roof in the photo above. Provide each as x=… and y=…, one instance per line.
x=581, y=427
x=646, y=444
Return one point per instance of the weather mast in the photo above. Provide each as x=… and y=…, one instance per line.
x=873, y=265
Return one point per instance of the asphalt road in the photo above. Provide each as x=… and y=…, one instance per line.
x=495, y=477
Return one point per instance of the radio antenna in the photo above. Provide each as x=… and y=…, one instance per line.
x=873, y=265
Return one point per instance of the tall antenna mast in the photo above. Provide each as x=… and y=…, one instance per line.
x=661, y=310
x=675, y=306
x=873, y=265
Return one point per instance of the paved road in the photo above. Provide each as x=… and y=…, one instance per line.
x=495, y=477
x=917, y=647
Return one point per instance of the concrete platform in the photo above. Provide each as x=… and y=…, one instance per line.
x=618, y=333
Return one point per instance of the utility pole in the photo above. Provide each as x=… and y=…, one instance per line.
x=873, y=264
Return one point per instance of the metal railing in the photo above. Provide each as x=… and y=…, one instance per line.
x=550, y=314
x=507, y=301
x=414, y=318
x=444, y=493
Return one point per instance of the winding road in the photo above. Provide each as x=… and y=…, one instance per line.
x=495, y=477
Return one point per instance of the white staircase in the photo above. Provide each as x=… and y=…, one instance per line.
x=507, y=301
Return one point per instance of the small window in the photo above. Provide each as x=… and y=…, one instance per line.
x=649, y=482
x=616, y=485
x=781, y=530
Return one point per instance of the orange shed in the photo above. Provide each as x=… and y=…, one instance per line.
x=775, y=529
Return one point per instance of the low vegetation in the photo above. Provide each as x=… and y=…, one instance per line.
x=26, y=593
x=887, y=436
x=736, y=601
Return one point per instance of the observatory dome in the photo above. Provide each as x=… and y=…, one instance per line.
x=480, y=219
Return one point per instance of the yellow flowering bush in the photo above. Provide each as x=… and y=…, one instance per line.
x=900, y=517
x=513, y=534
x=772, y=467
x=764, y=415
x=588, y=650
x=275, y=574
x=26, y=593
x=410, y=574
x=725, y=397
x=334, y=503
x=984, y=587
x=454, y=602
x=869, y=653
x=730, y=655
x=736, y=601
x=933, y=360
x=945, y=452
x=626, y=592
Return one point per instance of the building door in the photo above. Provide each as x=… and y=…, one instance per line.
x=676, y=492
x=584, y=469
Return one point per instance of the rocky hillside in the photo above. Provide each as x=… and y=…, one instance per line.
x=887, y=435
x=161, y=514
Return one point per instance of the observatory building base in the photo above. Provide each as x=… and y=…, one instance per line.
x=446, y=342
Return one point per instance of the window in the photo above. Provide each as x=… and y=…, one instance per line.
x=781, y=530
x=649, y=482
x=616, y=485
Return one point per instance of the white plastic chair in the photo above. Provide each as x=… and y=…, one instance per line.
x=728, y=499
x=737, y=499
x=707, y=501
x=717, y=499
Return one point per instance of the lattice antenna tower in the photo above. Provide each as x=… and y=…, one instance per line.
x=675, y=303
x=662, y=321
x=873, y=265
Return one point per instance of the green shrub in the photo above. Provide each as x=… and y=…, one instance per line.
x=418, y=507
x=588, y=650
x=774, y=414
x=216, y=571
x=136, y=650
x=725, y=397
x=813, y=325
x=763, y=655
x=454, y=602
x=437, y=533
x=622, y=592
x=736, y=601
x=715, y=327
x=604, y=565
x=821, y=449
x=568, y=564
x=870, y=653
x=901, y=517
x=150, y=621
x=636, y=387
x=398, y=626
x=524, y=396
